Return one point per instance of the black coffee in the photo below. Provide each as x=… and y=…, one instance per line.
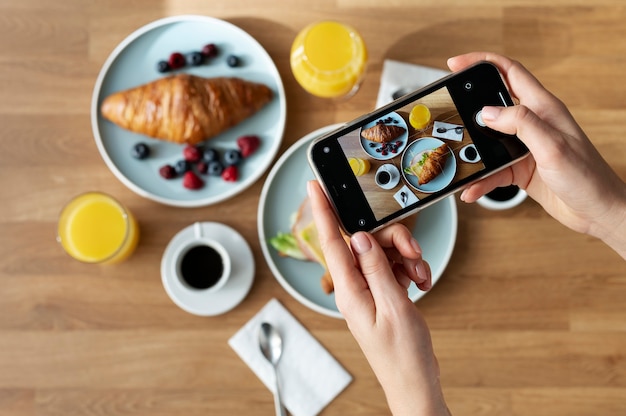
x=384, y=177
x=201, y=267
x=470, y=153
x=503, y=193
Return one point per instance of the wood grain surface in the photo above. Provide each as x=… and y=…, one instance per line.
x=529, y=318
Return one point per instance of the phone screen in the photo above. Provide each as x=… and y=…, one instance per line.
x=416, y=150
x=408, y=154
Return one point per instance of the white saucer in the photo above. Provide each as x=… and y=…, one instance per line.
x=232, y=293
x=393, y=172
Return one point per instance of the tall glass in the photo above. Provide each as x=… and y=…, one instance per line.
x=328, y=59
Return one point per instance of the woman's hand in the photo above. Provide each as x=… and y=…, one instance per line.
x=371, y=281
x=565, y=173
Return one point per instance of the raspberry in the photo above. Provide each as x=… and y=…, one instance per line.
x=230, y=174
x=192, y=153
x=202, y=167
x=192, y=181
x=167, y=171
x=209, y=50
x=248, y=144
x=177, y=60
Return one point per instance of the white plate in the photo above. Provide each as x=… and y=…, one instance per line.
x=133, y=62
x=235, y=289
x=282, y=194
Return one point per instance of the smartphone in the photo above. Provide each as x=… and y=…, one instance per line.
x=415, y=151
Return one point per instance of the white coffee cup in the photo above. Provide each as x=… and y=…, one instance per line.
x=503, y=198
x=201, y=264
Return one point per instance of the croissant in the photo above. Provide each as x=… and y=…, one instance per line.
x=185, y=108
x=382, y=133
x=429, y=164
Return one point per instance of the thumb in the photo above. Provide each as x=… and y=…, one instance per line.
x=544, y=142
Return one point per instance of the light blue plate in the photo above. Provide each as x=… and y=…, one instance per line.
x=283, y=192
x=370, y=147
x=134, y=62
x=439, y=182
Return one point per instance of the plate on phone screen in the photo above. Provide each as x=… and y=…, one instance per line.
x=134, y=62
x=283, y=192
x=386, y=151
x=414, y=152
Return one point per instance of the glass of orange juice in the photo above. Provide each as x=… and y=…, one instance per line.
x=96, y=228
x=328, y=59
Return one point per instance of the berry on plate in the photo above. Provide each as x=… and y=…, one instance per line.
x=215, y=168
x=230, y=174
x=248, y=144
x=167, y=171
x=232, y=157
x=177, y=60
x=192, y=181
x=140, y=151
x=210, y=50
x=195, y=58
x=192, y=153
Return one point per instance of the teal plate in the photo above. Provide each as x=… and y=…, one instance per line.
x=134, y=62
x=283, y=192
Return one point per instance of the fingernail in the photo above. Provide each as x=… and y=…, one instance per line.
x=309, y=187
x=416, y=246
x=462, y=196
x=360, y=243
x=421, y=271
x=490, y=113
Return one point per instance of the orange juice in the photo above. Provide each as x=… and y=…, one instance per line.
x=328, y=59
x=95, y=228
x=419, y=117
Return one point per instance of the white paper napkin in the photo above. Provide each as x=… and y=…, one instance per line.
x=401, y=75
x=310, y=378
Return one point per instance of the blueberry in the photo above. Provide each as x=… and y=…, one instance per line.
x=215, y=168
x=182, y=166
x=163, y=66
x=232, y=157
x=210, y=155
x=140, y=151
x=232, y=61
x=195, y=58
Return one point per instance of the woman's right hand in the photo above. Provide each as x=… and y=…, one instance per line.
x=565, y=173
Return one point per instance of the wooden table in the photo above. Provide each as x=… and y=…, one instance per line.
x=528, y=319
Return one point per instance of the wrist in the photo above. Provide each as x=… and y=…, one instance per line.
x=419, y=400
x=611, y=227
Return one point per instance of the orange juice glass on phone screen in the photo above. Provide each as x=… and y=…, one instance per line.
x=419, y=117
x=95, y=228
x=328, y=59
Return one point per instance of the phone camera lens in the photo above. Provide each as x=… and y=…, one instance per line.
x=361, y=222
x=468, y=86
x=326, y=149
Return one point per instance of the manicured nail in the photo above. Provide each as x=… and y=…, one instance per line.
x=416, y=246
x=421, y=271
x=490, y=113
x=360, y=243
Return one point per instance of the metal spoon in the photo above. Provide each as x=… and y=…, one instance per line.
x=271, y=345
x=457, y=130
